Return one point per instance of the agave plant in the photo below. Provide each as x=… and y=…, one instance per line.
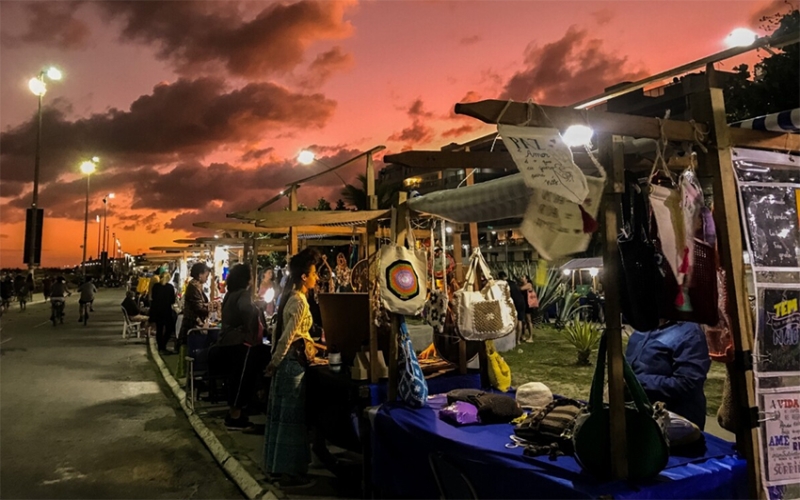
x=549, y=292
x=568, y=309
x=584, y=336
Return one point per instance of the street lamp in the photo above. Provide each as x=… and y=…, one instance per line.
x=99, y=228
x=87, y=168
x=109, y=196
x=306, y=157
x=38, y=86
x=741, y=37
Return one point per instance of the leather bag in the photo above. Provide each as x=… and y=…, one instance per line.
x=648, y=447
x=489, y=313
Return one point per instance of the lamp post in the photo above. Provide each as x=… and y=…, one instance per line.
x=38, y=86
x=307, y=157
x=109, y=196
x=99, y=228
x=88, y=168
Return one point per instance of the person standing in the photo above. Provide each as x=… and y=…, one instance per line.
x=520, y=304
x=195, y=302
x=47, y=285
x=29, y=283
x=6, y=291
x=532, y=305
x=286, y=445
x=21, y=289
x=672, y=364
x=161, y=312
x=240, y=353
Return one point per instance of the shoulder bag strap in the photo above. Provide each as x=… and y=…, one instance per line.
x=469, y=279
x=487, y=273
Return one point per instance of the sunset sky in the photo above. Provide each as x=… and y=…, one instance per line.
x=198, y=109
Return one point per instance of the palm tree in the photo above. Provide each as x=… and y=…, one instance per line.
x=357, y=196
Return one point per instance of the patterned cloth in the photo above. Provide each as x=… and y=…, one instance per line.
x=286, y=446
x=297, y=321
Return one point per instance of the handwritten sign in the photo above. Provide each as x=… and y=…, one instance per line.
x=781, y=437
x=545, y=161
x=772, y=223
x=779, y=331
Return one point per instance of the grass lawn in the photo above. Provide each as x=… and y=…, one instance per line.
x=551, y=359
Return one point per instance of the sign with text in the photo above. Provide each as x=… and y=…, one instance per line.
x=545, y=161
x=772, y=224
x=780, y=437
x=779, y=331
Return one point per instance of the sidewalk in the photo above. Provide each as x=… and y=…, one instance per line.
x=240, y=454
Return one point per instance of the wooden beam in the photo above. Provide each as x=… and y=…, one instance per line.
x=244, y=227
x=600, y=121
x=310, y=217
x=613, y=154
x=710, y=107
x=264, y=250
x=443, y=160
x=371, y=249
x=179, y=249
x=759, y=139
x=311, y=242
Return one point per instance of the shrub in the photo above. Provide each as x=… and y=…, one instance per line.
x=584, y=336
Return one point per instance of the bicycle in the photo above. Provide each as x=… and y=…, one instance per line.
x=84, y=311
x=57, y=309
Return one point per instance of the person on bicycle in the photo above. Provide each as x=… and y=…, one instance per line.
x=88, y=290
x=58, y=293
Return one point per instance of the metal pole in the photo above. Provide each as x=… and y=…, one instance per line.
x=35, y=201
x=85, y=228
x=105, y=229
x=99, y=228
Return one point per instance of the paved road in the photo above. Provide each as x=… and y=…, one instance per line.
x=84, y=414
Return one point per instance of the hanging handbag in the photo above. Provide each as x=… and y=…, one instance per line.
x=412, y=387
x=402, y=276
x=548, y=431
x=645, y=428
x=499, y=371
x=435, y=310
x=488, y=314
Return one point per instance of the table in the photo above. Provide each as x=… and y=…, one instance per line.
x=404, y=438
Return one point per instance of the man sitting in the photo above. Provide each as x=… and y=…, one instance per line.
x=134, y=313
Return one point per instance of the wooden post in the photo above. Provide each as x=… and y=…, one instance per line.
x=369, y=251
x=293, y=246
x=709, y=107
x=613, y=157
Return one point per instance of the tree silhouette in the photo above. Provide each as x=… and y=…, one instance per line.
x=356, y=197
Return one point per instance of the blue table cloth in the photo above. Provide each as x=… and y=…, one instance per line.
x=403, y=439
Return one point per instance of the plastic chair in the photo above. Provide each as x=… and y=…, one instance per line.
x=130, y=328
x=452, y=483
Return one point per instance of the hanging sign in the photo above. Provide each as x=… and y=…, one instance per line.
x=779, y=332
x=780, y=436
x=772, y=224
x=545, y=161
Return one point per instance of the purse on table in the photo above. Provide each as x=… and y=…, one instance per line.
x=647, y=445
x=492, y=408
x=489, y=313
x=499, y=371
x=548, y=431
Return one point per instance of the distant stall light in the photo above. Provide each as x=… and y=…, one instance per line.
x=578, y=135
x=593, y=271
x=567, y=272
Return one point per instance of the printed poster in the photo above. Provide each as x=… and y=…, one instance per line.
x=779, y=332
x=772, y=225
x=780, y=435
x=545, y=161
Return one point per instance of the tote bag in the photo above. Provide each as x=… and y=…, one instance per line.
x=412, y=387
x=488, y=314
x=402, y=277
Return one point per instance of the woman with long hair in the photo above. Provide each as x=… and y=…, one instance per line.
x=286, y=445
x=239, y=353
x=161, y=312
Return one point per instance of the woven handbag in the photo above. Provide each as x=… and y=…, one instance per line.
x=645, y=428
x=488, y=314
x=549, y=430
x=402, y=276
x=412, y=387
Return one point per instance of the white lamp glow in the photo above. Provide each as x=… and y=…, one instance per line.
x=54, y=73
x=110, y=196
x=593, y=272
x=88, y=167
x=306, y=157
x=567, y=272
x=740, y=37
x=97, y=219
x=37, y=86
x=448, y=229
x=578, y=135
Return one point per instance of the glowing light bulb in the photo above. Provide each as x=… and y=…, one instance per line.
x=37, y=86
x=306, y=157
x=54, y=73
x=740, y=37
x=578, y=135
x=88, y=167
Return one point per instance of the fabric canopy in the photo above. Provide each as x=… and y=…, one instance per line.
x=785, y=121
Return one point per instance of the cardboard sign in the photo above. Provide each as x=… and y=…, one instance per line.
x=778, y=336
x=545, y=161
x=780, y=436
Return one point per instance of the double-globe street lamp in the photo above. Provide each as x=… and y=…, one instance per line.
x=87, y=167
x=38, y=86
x=109, y=196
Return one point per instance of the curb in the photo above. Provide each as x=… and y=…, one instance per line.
x=232, y=467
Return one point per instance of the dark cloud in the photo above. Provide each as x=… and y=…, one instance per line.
x=602, y=16
x=10, y=189
x=417, y=110
x=417, y=133
x=48, y=23
x=567, y=70
x=326, y=65
x=470, y=40
x=256, y=154
x=193, y=34
x=183, y=119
